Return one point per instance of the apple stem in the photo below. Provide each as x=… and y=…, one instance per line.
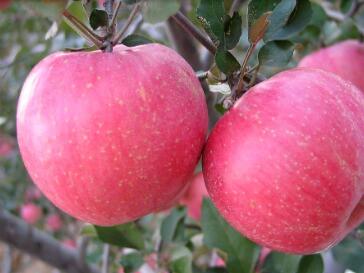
x=186, y=24
x=130, y=19
x=87, y=33
x=109, y=8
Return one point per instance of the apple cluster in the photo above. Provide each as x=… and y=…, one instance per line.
x=111, y=137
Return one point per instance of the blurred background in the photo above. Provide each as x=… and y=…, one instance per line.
x=31, y=30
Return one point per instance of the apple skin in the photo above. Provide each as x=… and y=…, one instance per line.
x=285, y=166
x=194, y=195
x=30, y=213
x=54, y=222
x=345, y=59
x=111, y=137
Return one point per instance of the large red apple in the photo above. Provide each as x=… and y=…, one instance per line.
x=194, y=195
x=111, y=137
x=285, y=166
x=346, y=59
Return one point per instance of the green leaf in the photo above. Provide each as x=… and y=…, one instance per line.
x=172, y=224
x=224, y=31
x=131, y=262
x=77, y=10
x=242, y=253
x=349, y=253
x=98, y=18
x=127, y=235
x=226, y=62
x=233, y=30
x=319, y=15
x=220, y=108
x=258, y=29
x=181, y=260
x=88, y=230
x=257, y=8
x=311, y=264
x=211, y=14
x=345, y=5
x=281, y=263
x=159, y=10
x=299, y=18
x=279, y=17
x=135, y=39
x=276, y=53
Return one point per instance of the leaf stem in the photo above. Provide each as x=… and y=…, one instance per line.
x=115, y=15
x=83, y=29
x=248, y=54
x=130, y=19
x=186, y=24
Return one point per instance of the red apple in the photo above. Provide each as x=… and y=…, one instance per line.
x=194, y=195
x=54, y=222
x=111, y=137
x=4, y=4
x=30, y=213
x=285, y=166
x=346, y=59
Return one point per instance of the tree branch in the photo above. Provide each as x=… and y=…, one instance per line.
x=130, y=19
x=7, y=260
x=17, y=233
x=184, y=22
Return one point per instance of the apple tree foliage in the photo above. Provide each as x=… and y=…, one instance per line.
x=31, y=30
